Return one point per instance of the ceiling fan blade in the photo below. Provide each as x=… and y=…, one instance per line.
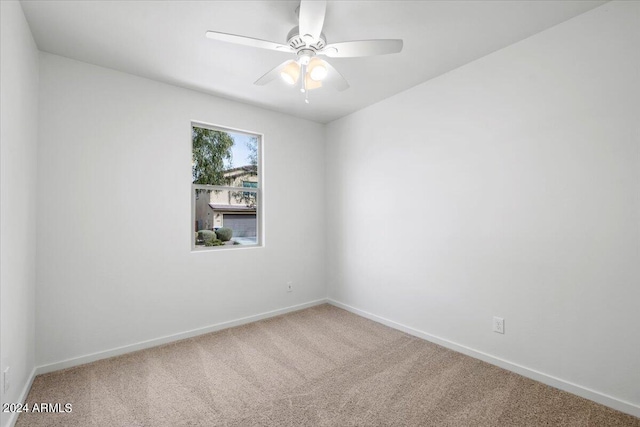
x=273, y=74
x=248, y=41
x=335, y=79
x=360, y=48
x=311, y=18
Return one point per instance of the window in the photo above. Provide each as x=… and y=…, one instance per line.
x=249, y=184
x=226, y=188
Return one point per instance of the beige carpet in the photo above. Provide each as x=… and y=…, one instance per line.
x=318, y=367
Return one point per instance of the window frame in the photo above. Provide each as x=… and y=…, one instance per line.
x=259, y=190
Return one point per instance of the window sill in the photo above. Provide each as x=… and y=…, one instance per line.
x=199, y=249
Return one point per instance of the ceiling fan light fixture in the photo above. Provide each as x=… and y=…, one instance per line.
x=291, y=73
x=311, y=84
x=317, y=70
x=307, y=40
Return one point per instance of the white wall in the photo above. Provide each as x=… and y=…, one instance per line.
x=18, y=136
x=507, y=187
x=114, y=147
x=510, y=187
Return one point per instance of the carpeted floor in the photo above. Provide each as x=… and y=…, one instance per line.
x=321, y=366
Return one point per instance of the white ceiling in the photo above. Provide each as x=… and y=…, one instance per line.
x=164, y=40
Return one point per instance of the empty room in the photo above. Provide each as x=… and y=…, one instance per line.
x=320, y=213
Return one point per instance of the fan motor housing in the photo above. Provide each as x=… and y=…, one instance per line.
x=298, y=43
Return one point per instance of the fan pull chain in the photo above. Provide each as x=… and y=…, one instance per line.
x=303, y=75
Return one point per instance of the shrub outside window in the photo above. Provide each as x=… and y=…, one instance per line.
x=226, y=187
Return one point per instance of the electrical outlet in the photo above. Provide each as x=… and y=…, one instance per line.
x=5, y=379
x=289, y=286
x=498, y=325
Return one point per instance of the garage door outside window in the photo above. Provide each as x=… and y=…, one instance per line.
x=243, y=225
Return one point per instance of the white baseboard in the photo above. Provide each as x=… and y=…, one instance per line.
x=169, y=338
x=13, y=417
x=550, y=380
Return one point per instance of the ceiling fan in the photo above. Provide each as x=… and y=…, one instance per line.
x=308, y=42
